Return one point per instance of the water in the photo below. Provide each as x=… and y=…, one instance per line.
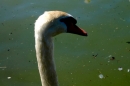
x=79, y=60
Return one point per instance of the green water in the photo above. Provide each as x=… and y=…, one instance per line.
x=107, y=23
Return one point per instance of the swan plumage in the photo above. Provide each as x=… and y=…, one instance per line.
x=49, y=24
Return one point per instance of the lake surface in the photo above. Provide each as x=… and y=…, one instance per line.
x=101, y=59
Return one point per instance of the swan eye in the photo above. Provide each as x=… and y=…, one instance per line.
x=68, y=20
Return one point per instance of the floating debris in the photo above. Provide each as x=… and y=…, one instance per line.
x=128, y=70
x=120, y=68
x=8, y=77
x=108, y=56
x=87, y=1
x=3, y=24
x=95, y=55
x=112, y=58
x=128, y=42
x=8, y=49
x=10, y=33
x=101, y=76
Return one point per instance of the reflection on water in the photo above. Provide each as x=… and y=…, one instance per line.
x=79, y=60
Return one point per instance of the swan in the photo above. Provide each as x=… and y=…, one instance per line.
x=48, y=25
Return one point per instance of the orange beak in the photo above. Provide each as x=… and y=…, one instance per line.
x=72, y=28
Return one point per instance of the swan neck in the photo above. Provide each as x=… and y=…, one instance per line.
x=46, y=66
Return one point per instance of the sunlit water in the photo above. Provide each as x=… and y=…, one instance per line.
x=79, y=60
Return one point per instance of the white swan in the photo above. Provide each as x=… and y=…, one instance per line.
x=49, y=24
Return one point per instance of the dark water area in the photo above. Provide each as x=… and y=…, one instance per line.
x=101, y=59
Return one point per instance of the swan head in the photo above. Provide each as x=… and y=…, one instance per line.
x=52, y=23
